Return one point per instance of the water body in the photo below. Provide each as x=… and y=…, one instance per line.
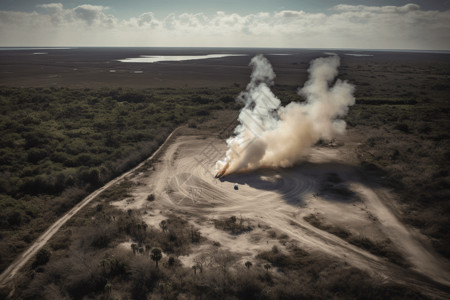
x=357, y=54
x=159, y=58
x=167, y=67
x=31, y=48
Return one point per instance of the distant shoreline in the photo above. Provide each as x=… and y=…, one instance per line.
x=208, y=49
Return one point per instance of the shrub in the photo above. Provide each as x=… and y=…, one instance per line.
x=80, y=284
x=99, y=236
x=143, y=276
x=61, y=241
x=227, y=99
x=192, y=124
x=4, y=292
x=200, y=100
x=232, y=225
x=35, y=155
x=292, y=260
x=133, y=97
x=15, y=217
x=249, y=287
x=203, y=112
x=402, y=127
x=315, y=221
x=171, y=261
x=42, y=257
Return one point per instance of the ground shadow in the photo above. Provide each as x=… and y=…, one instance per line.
x=328, y=180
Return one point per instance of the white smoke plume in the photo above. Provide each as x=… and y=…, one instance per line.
x=270, y=135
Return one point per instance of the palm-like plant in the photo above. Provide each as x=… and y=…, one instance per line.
x=156, y=255
x=248, y=264
x=164, y=225
x=134, y=247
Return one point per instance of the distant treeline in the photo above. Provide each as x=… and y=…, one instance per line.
x=384, y=102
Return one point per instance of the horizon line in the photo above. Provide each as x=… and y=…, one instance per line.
x=227, y=47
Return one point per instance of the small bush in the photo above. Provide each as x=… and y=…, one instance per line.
x=42, y=257
x=35, y=155
x=4, y=292
x=192, y=124
x=336, y=230
x=292, y=260
x=402, y=127
x=15, y=217
x=98, y=235
x=233, y=225
x=61, y=242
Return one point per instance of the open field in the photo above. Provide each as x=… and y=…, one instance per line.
x=369, y=209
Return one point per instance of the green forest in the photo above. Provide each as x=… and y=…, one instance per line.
x=58, y=144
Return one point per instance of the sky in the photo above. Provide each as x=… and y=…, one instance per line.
x=349, y=24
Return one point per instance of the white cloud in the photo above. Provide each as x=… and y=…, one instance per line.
x=290, y=14
x=147, y=19
x=51, y=7
x=86, y=13
x=170, y=22
x=92, y=14
x=378, y=9
x=346, y=26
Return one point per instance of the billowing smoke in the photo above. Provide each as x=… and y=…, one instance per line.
x=270, y=135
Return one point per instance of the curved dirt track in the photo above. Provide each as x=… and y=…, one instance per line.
x=184, y=184
x=8, y=275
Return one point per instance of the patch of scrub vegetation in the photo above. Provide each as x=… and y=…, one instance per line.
x=315, y=221
x=96, y=265
x=402, y=116
x=233, y=225
x=58, y=144
x=408, y=146
x=379, y=248
x=117, y=192
x=293, y=260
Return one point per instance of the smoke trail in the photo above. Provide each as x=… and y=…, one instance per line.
x=270, y=135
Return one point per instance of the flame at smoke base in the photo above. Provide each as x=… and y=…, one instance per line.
x=270, y=135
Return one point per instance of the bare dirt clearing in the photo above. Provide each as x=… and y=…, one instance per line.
x=275, y=206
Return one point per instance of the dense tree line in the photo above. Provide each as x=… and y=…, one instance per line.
x=57, y=144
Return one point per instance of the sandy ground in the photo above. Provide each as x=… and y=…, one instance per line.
x=276, y=201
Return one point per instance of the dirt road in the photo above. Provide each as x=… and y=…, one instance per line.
x=274, y=203
x=8, y=275
x=278, y=200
